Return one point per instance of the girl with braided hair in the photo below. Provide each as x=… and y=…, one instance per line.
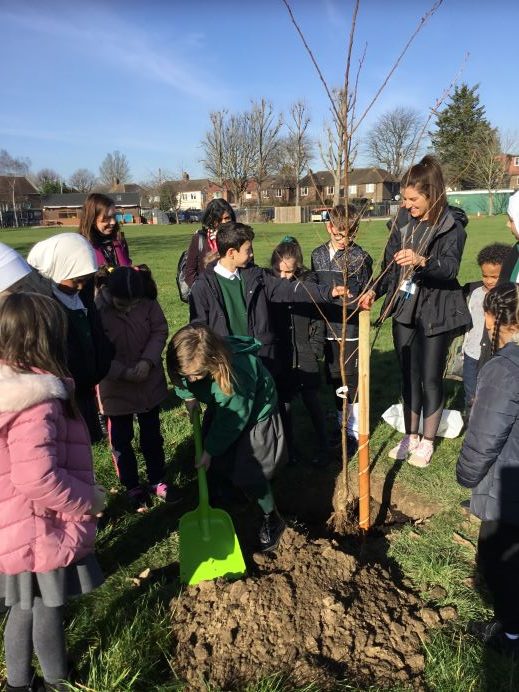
x=489, y=465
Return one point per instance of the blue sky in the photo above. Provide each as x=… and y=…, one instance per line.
x=83, y=79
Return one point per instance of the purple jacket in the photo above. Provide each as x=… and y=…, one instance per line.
x=138, y=335
x=122, y=253
x=46, y=476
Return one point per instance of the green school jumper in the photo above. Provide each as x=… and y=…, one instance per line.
x=233, y=292
x=254, y=399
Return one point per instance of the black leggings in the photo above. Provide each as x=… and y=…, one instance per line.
x=310, y=398
x=333, y=368
x=422, y=363
x=40, y=627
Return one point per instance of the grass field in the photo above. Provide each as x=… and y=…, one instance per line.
x=120, y=637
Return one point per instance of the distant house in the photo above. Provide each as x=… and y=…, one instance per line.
x=275, y=191
x=193, y=194
x=65, y=208
x=512, y=171
x=19, y=190
x=371, y=184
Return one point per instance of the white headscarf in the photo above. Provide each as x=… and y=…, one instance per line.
x=513, y=210
x=61, y=257
x=13, y=267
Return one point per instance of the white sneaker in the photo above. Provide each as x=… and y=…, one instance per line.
x=406, y=445
x=421, y=457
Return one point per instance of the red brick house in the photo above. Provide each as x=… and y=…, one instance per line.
x=372, y=184
x=65, y=209
x=512, y=171
x=275, y=192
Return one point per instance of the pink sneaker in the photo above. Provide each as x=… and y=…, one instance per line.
x=406, y=445
x=168, y=493
x=160, y=490
x=421, y=456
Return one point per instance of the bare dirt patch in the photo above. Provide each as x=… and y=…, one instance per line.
x=313, y=612
x=324, y=608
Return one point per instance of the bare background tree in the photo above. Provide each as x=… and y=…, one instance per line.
x=48, y=181
x=229, y=151
x=114, y=169
x=161, y=190
x=82, y=180
x=391, y=142
x=213, y=147
x=265, y=129
x=12, y=168
x=488, y=167
x=332, y=148
x=296, y=150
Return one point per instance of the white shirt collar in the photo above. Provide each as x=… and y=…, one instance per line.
x=222, y=271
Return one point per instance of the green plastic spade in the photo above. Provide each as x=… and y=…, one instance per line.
x=209, y=546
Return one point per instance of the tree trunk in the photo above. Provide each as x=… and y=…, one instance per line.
x=14, y=204
x=490, y=203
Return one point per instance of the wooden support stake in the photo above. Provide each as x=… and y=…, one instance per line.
x=364, y=354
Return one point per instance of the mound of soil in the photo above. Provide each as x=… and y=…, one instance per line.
x=313, y=612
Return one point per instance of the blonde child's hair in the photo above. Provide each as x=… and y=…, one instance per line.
x=196, y=349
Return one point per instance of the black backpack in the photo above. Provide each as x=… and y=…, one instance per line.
x=183, y=288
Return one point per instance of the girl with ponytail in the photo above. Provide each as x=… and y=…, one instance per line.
x=489, y=465
x=243, y=434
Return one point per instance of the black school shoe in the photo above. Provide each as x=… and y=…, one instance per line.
x=492, y=635
x=484, y=629
x=137, y=499
x=271, y=531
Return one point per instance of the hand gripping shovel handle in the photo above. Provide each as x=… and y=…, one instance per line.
x=203, y=494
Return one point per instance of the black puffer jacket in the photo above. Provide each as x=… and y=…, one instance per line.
x=206, y=304
x=441, y=306
x=300, y=331
x=357, y=266
x=489, y=459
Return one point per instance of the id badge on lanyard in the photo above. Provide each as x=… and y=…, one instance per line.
x=408, y=287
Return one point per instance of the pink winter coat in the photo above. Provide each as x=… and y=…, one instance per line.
x=140, y=334
x=46, y=476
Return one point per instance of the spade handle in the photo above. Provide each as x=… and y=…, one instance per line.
x=203, y=494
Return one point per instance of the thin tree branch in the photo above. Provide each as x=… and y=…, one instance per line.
x=314, y=61
x=420, y=26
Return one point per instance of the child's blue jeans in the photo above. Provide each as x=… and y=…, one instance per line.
x=470, y=376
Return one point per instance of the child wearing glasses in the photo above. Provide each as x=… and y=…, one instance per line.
x=337, y=262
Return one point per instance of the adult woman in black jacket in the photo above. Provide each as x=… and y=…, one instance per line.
x=489, y=465
x=423, y=296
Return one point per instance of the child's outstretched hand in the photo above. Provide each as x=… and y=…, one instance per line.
x=367, y=300
x=99, y=500
x=204, y=461
x=339, y=291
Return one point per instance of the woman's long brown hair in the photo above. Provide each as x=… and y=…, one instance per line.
x=95, y=204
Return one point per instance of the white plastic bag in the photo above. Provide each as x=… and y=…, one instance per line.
x=451, y=423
